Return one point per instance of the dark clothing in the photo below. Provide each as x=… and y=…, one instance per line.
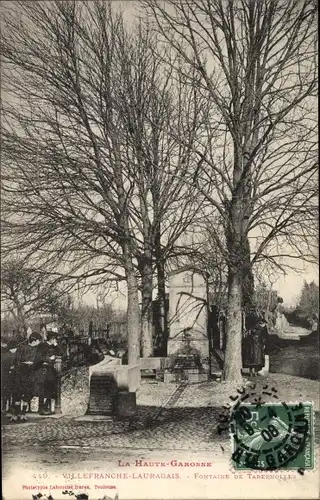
x=4, y=349
x=25, y=352
x=257, y=349
x=253, y=348
x=23, y=379
x=7, y=362
x=44, y=352
x=7, y=374
x=266, y=337
x=95, y=354
x=46, y=382
x=45, y=374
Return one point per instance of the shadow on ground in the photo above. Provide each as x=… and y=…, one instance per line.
x=172, y=428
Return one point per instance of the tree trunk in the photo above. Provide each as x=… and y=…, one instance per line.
x=146, y=313
x=247, y=281
x=238, y=247
x=162, y=307
x=20, y=318
x=163, y=320
x=145, y=268
x=133, y=317
x=233, y=352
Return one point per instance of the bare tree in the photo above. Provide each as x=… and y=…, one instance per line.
x=266, y=298
x=25, y=293
x=256, y=63
x=92, y=178
x=155, y=102
x=67, y=191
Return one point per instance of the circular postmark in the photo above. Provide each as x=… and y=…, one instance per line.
x=250, y=393
x=269, y=436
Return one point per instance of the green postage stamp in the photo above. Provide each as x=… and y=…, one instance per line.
x=272, y=436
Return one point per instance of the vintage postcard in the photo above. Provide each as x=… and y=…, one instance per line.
x=159, y=250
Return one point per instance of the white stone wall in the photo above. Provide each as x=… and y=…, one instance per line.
x=281, y=323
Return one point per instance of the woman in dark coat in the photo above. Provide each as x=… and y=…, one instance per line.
x=258, y=346
x=46, y=380
x=23, y=380
x=253, y=347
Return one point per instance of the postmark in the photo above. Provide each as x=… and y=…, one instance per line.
x=272, y=436
x=249, y=393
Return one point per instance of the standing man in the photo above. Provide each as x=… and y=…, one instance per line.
x=262, y=327
x=23, y=378
x=7, y=375
x=46, y=375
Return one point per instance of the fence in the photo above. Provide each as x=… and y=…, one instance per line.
x=115, y=330
x=77, y=350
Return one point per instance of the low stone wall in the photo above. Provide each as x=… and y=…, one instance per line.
x=107, y=383
x=127, y=377
x=160, y=363
x=75, y=392
x=100, y=368
x=150, y=363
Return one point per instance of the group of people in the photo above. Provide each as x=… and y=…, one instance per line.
x=28, y=370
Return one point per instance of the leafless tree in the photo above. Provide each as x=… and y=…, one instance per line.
x=266, y=299
x=256, y=63
x=92, y=178
x=207, y=254
x=154, y=104
x=67, y=191
x=25, y=293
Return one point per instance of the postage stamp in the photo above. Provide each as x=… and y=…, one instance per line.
x=272, y=436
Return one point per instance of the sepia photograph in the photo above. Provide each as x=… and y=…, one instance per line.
x=159, y=250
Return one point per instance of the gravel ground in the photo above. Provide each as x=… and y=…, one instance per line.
x=75, y=392
x=171, y=421
x=161, y=420
x=217, y=394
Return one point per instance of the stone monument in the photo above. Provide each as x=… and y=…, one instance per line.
x=188, y=321
x=113, y=388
